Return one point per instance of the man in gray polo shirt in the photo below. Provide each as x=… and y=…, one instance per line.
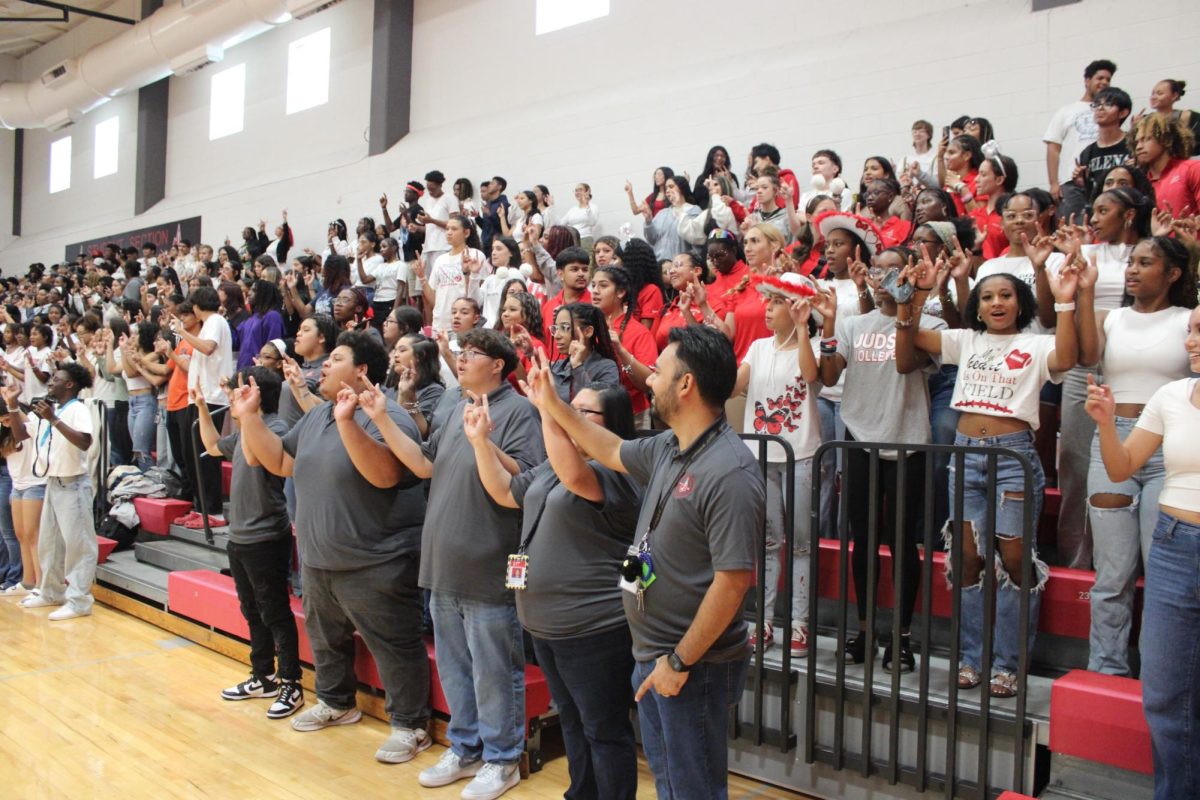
x=464, y=554
x=699, y=530
x=358, y=524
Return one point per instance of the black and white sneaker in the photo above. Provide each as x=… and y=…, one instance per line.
x=251, y=688
x=288, y=701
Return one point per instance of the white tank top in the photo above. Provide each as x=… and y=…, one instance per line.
x=1143, y=352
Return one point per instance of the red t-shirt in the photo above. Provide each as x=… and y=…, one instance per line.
x=895, y=231
x=969, y=180
x=655, y=205
x=1177, y=189
x=994, y=241
x=723, y=283
x=649, y=302
x=549, y=308
x=640, y=344
x=749, y=309
x=671, y=317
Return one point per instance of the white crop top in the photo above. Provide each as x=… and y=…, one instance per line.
x=1000, y=376
x=1172, y=415
x=1142, y=352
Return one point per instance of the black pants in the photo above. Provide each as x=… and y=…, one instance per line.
x=380, y=311
x=206, y=484
x=119, y=442
x=179, y=433
x=260, y=573
x=856, y=481
x=382, y=602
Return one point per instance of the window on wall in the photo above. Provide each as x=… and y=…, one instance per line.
x=105, y=149
x=227, y=106
x=308, y=72
x=60, y=165
x=553, y=15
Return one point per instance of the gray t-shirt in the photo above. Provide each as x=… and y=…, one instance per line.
x=289, y=408
x=712, y=520
x=878, y=403
x=576, y=552
x=468, y=537
x=342, y=521
x=597, y=369
x=257, y=508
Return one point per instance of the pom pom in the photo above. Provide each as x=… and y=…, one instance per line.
x=502, y=273
x=526, y=271
x=837, y=186
x=818, y=183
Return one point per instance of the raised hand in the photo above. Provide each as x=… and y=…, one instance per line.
x=1038, y=250
x=373, y=401
x=245, y=401
x=406, y=384
x=824, y=302
x=800, y=310
x=1100, y=404
x=858, y=269
x=960, y=262
x=1088, y=274
x=477, y=421
x=521, y=339
x=11, y=393
x=345, y=404
x=1065, y=282
x=538, y=385
x=383, y=201
x=162, y=347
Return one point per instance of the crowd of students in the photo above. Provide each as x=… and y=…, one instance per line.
x=450, y=407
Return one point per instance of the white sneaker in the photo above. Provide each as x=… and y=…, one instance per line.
x=323, y=716
x=34, y=600
x=18, y=589
x=492, y=781
x=403, y=745
x=450, y=768
x=67, y=612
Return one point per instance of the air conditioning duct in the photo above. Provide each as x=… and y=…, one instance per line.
x=63, y=119
x=302, y=9
x=177, y=38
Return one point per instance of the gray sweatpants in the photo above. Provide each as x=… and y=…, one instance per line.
x=67, y=546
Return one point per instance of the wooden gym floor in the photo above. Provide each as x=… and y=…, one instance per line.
x=111, y=706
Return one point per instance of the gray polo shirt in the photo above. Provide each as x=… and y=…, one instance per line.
x=289, y=408
x=712, y=520
x=576, y=552
x=597, y=369
x=257, y=508
x=467, y=536
x=342, y=521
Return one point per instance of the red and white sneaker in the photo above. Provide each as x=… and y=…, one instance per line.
x=191, y=516
x=800, y=640
x=768, y=636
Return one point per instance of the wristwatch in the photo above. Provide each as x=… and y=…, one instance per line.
x=676, y=663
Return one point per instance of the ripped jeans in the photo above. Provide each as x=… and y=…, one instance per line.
x=1119, y=537
x=1010, y=521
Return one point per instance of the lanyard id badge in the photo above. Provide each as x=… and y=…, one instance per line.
x=517, y=576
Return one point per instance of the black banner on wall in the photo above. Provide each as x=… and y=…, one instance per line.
x=162, y=235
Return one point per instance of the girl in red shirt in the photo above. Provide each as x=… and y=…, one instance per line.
x=645, y=281
x=997, y=176
x=685, y=274
x=633, y=344
x=963, y=157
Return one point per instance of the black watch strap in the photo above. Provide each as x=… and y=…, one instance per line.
x=676, y=663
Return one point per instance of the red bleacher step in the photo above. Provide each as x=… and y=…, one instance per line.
x=157, y=513
x=1099, y=718
x=211, y=599
x=106, y=546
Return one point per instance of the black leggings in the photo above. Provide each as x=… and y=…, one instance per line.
x=856, y=483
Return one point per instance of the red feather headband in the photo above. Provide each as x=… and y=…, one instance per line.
x=794, y=289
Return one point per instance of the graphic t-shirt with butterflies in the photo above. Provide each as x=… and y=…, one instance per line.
x=779, y=402
x=1000, y=376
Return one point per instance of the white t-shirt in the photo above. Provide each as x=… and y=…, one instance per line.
x=386, y=274
x=20, y=462
x=493, y=284
x=1111, y=260
x=337, y=247
x=449, y=284
x=847, y=306
x=1020, y=267
x=1000, y=376
x=133, y=382
x=33, y=387
x=67, y=460
x=584, y=220
x=1172, y=415
x=440, y=208
x=779, y=402
x=1074, y=127
x=370, y=264
x=1143, y=352
x=205, y=372
x=925, y=160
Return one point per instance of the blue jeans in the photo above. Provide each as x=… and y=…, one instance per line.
x=588, y=679
x=1120, y=540
x=832, y=430
x=943, y=420
x=10, y=547
x=684, y=737
x=143, y=430
x=1170, y=647
x=1010, y=521
x=481, y=665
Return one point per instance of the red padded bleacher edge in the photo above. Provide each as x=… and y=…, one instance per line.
x=1099, y=718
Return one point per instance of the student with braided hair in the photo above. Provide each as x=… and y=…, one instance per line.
x=633, y=345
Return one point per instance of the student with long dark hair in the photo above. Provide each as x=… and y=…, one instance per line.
x=656, y=201
x=716, y=164
x=633, y=345
x=264, y=323
x=581, y=335
x=416, y=378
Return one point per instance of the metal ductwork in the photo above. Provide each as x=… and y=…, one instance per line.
x=178, y=38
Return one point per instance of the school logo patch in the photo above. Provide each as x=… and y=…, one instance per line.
x=685, y=486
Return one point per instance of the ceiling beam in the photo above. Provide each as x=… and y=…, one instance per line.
x=67, y=8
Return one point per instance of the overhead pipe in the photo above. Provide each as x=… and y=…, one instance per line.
x=177, y=38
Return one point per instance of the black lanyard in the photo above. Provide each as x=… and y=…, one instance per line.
x=669, y=489
x=538, y=519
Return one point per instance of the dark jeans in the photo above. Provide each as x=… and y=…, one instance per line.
x=179, y=433
x=685, y=737
x=260, y=573
x=587, y=676
x=120, y=445
x=382, y=602
x=206, y=485
x=887, y=496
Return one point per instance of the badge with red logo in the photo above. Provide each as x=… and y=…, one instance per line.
x=1017, y=360
x=685, y=486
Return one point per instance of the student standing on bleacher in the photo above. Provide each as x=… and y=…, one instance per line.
x=260, y=556
x=1170, y=642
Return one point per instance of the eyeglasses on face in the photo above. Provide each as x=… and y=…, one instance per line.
x=471, y=355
